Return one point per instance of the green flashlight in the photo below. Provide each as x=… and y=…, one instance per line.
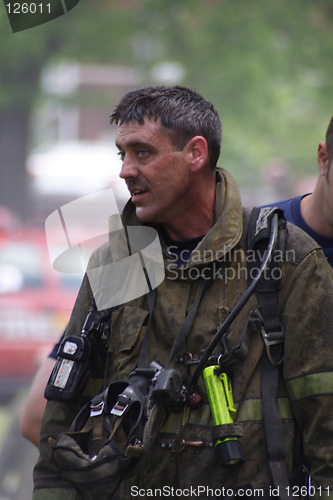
x=221, y=404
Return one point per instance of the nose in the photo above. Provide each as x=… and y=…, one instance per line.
x=128, y=169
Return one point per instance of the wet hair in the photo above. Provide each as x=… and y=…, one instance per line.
x=329, y=141
x=182, y=112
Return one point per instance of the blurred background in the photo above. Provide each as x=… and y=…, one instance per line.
x=266, y=66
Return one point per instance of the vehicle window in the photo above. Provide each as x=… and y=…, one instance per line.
x=20, y=267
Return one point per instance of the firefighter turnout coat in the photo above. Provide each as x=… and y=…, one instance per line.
x=182, y=455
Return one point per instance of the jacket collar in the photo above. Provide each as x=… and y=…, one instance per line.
x=228, y=227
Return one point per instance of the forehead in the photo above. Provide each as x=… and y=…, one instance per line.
x=133, y=133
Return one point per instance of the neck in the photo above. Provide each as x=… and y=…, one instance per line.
x=196, y=219
x=315, y=212
x=189, y=230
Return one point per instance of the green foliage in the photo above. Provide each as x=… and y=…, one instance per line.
x=89, y=33
x=266, y=66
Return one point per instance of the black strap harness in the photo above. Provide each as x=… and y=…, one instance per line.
x=273, y=336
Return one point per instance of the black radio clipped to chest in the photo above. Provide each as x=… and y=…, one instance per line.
x=75, y=358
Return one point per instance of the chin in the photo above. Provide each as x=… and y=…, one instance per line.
x=145, y=215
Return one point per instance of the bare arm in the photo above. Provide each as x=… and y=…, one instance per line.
x=35, y=403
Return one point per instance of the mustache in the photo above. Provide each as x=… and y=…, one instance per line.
x=136, y=184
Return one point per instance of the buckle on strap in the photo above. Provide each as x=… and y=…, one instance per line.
x=120, y=407
x=272, y=339
x=96, y=409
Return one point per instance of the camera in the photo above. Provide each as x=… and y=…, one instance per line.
x=167, y=388
x=155, y=383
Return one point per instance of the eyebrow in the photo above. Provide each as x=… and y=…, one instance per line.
x=134, y=144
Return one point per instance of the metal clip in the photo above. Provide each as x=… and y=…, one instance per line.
x=187, y=359
x=179, y=444
x=120, y=407
x=97, y=409
x=272, y=339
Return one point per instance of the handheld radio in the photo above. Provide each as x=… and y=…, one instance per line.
x=74, y=363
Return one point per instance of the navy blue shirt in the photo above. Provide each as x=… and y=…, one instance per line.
x=292, y=212
x=180, y=251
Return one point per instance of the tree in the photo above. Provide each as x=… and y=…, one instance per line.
x=266, y=66
x=23, y=56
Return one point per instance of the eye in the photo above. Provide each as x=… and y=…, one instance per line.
x=142, y=153
x=121, y=155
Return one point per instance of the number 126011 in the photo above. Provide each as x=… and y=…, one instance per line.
x=28, y=8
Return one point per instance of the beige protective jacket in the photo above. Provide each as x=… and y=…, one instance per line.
x=177, y=458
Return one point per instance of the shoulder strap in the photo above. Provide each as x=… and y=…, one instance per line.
x=270, y=281
x=273, y=335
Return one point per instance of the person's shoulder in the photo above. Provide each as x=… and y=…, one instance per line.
x=299, y=244
x=290, y=207
x=284, y=203
x=295, y=243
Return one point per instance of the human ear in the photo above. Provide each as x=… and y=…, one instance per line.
x=322, y=159
x=197, y=150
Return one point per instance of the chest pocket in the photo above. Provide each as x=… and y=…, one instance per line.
x=128, y=328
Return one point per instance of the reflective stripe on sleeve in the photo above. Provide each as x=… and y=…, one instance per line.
x=314, y=384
